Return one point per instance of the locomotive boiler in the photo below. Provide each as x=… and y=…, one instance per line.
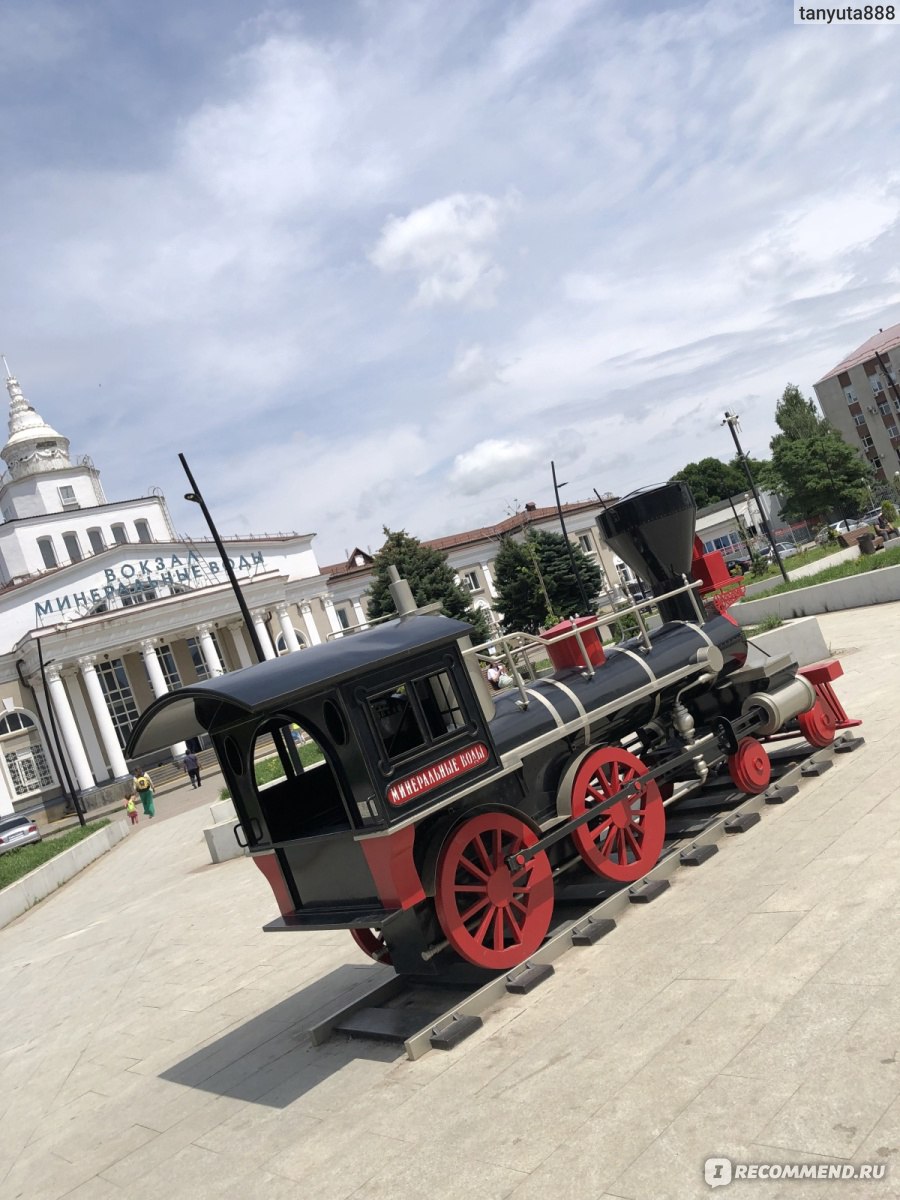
x=440, y=817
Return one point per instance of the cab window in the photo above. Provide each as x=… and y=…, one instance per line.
x=414, y=714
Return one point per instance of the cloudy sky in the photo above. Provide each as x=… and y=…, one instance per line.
x=376, y=262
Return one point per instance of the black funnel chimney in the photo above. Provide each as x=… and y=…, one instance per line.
x=653, y=532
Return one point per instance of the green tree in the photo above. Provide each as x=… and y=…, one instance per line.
x=535, y=584
x=816, y=472
x=429, y=577
x=712, y=480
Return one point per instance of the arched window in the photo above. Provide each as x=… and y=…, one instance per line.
x=23, y=754
x=281, y=645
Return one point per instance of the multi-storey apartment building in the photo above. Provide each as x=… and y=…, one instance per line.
x=861, y=399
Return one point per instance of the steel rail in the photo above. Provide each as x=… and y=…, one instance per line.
x=460, y=1019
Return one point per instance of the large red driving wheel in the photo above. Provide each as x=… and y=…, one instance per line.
x=749, y=767
x=372, y=943
x=493, y=917
x=818, y=725
x=626, y=840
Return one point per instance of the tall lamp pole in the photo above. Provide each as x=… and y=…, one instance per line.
x=196, y=498
x=731, y=421
x=562, y=525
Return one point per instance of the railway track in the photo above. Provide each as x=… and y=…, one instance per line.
x=426, y=1016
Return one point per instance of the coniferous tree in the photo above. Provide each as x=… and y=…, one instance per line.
x=430, y=578
x=535, y=584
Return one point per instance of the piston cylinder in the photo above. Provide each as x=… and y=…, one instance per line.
x=780, y=706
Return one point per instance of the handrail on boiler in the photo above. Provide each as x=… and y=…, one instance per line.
x=512, y=645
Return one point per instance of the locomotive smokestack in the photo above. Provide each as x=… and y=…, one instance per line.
x=653, y=532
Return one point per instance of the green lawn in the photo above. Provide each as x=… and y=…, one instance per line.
x=797, y=560
x=16, y=863
x=267, y=769
x=856, y=566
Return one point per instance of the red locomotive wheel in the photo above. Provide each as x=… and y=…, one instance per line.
x=627, y=839
x=818, y=725
x=373, y=944
x=493, y=917
x=749, y=767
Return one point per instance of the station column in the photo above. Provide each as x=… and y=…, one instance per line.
x=158, y=682
x=287, y=627
x=310, y=622
x=259, y=624
x=108, y=735
x=68, y=727
x=209, y=651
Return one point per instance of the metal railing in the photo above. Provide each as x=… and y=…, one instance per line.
x=515, y=649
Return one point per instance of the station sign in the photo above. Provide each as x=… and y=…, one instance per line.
x=145, y=575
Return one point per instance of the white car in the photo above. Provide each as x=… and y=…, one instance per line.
x=846, y=526
x=785, y=549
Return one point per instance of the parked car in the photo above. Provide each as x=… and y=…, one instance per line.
x=17, y=831
x=846, y=526
x=739, y=565
x=785, y=549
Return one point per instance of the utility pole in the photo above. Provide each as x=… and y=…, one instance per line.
x=731, y=420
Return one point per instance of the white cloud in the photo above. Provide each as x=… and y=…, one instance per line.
x=445, y=244
x=492, y=461
x=474, y=368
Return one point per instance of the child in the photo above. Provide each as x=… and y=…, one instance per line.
x=131, y=809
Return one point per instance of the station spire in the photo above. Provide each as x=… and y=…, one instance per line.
x=33, y=446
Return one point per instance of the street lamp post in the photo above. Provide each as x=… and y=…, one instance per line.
x=284, y=744
x=731, y=421
x=63, y=766
x=581, y=591
x=196, y=498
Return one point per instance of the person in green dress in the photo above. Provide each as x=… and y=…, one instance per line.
x=143, y=785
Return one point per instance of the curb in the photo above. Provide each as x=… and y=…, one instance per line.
x=42, y=881
x=881, y=586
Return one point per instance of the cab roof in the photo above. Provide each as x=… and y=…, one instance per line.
x=273, y=685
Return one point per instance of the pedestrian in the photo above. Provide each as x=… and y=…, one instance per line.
x=144, y=787
x=131, y=809
x=883, y=526
x=192, y=766
x=493, y=676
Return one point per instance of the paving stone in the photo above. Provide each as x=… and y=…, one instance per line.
x=719, y=1121
x=754, y=1010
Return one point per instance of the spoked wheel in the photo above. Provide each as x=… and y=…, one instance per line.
x=491, y=916
x=371, y=942
x=626, y=840
x=749, y=767
x=818, y=725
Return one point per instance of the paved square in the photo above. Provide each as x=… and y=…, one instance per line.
x=154, y=1039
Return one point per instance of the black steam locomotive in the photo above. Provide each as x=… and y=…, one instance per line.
x=439, y=816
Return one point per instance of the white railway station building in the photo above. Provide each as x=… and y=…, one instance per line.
x=84, y=650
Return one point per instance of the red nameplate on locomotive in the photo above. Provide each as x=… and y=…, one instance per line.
x=437, y=774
